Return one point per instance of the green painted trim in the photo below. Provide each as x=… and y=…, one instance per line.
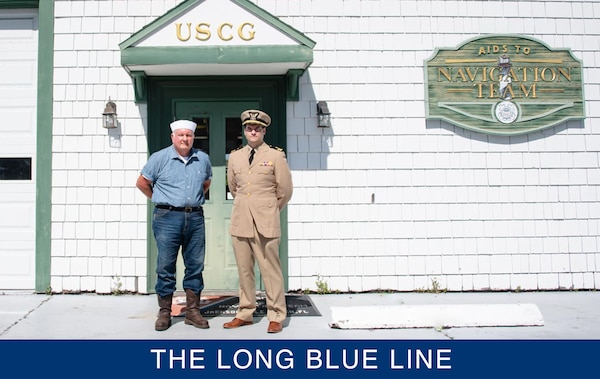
x=276, y=22
x=14, y=4
x=293, y=84
x=215, y=54
x=186, y=5
x=44, y=146
x=140, y=87
x=158, y=23
x=131, y=55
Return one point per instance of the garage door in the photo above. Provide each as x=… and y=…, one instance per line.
x=18, y=89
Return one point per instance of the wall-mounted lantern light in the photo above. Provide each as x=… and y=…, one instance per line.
x=109, y=116
x=324, y=115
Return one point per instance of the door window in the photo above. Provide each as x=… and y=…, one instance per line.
x=233, y=140
x=201, y=135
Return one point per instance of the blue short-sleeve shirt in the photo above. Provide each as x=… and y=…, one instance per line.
x=176, y=182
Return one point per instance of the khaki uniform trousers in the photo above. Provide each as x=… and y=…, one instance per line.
x=265, y=251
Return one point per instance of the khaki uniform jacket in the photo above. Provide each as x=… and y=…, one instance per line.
x=260, y=190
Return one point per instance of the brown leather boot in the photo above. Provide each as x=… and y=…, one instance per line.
x=192, y=312
x=164, y=313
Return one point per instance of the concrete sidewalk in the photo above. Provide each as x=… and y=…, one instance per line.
x=566, y=315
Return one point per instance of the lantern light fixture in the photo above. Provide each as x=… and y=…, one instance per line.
x=323, y=114
x=109, y=116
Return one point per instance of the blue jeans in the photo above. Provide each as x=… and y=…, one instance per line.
x=172, y=230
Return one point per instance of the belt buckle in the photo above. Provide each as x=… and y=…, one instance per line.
x=188, y=209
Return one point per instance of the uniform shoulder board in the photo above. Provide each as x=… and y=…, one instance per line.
x=237, y=148
x=276, y=148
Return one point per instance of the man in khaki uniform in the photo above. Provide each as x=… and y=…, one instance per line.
x=261, y=183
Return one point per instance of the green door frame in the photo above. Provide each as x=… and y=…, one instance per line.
x=269, y=91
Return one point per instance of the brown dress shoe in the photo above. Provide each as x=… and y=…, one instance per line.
x=236, y=323
x=274, y=327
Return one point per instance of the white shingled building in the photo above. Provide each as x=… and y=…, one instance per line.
x=385, y=198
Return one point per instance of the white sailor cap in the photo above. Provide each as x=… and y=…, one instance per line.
x=183, y=124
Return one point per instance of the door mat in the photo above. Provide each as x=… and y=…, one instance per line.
x=297, y=305
x=437, y=316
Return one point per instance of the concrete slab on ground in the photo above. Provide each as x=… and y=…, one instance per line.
x=566, y=315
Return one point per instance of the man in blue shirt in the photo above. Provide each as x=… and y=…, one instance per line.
x=176, y=179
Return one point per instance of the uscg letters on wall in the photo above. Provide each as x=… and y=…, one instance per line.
x=504, y=84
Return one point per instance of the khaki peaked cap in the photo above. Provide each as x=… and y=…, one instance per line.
x=255, y=116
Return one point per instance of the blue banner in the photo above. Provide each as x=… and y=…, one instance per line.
x=298, y=358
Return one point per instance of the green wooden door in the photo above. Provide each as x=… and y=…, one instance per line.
x=218, y=132
x=215, y=104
